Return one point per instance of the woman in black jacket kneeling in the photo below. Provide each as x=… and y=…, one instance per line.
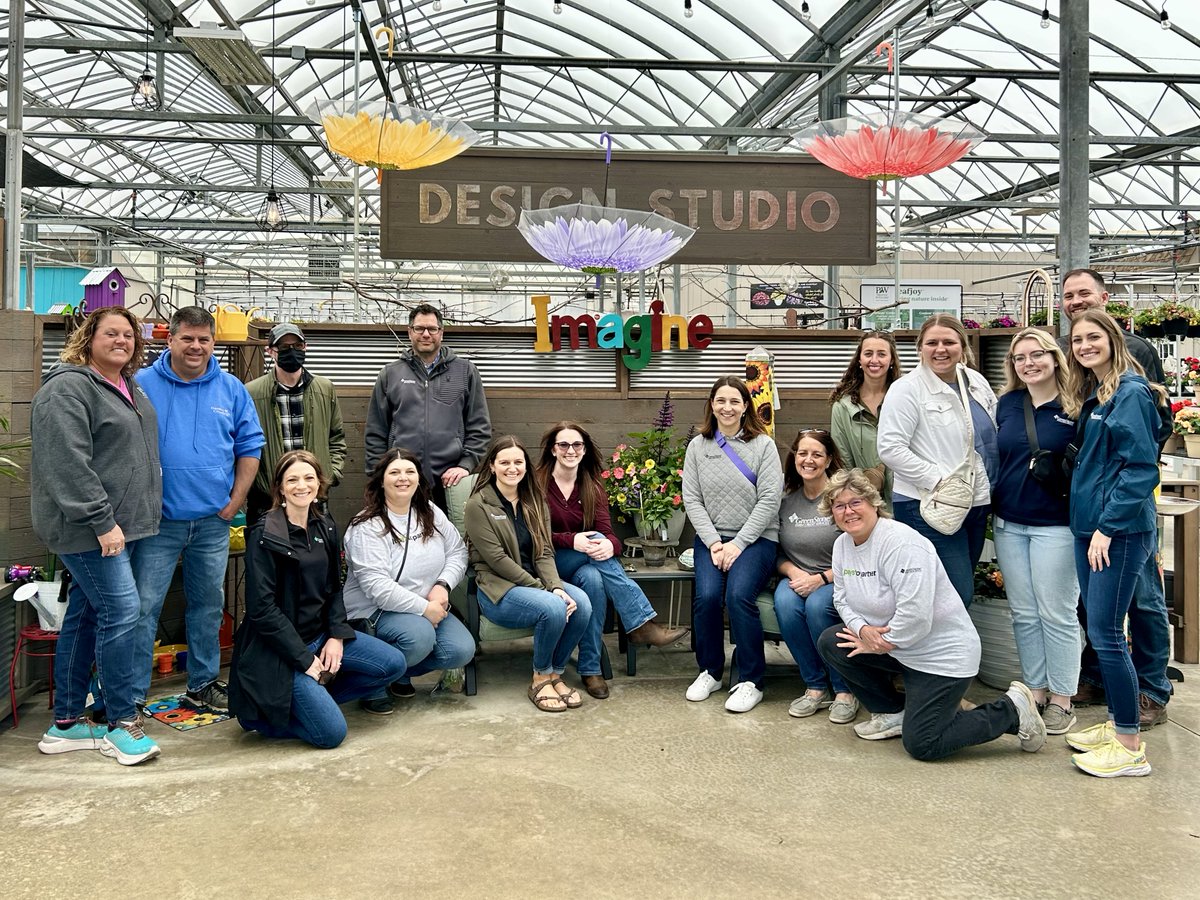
x=295, y=658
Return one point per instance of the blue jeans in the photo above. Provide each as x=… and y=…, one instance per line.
x=1150, y=633
x=554, y=635
x=368, y=664
x=959, y=552
x=102, y=615
x=801, y=621
x=1106, y=598
x=1038, y=565
x=736, y=591
x=204, y=545
x=425, y=647
x=602, y=581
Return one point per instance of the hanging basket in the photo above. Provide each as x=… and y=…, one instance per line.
x=599, y=240
x=390, y=136
x=888, y=145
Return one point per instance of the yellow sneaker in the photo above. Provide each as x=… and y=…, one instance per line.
x=1112, y=760
x=1091, y=738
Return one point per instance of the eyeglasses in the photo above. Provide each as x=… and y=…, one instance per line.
x=855, y=504
x=564, y=447
x=805, y=432
x=1032, y=356
x=424, y=329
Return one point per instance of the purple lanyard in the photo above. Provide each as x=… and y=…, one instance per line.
x=736, y=460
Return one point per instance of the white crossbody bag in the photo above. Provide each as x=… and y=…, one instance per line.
x=946, y=506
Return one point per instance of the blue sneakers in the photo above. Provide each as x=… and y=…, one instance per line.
x=83, y=735
x=128, y=744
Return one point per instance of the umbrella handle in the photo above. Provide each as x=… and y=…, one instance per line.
x=606, y=138
x=391, y=36
x=886, y=46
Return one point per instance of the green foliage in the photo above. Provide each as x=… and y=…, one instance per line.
x=8, y=467
x=645, y=478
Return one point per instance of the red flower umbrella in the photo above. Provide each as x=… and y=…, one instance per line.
x=886, y=145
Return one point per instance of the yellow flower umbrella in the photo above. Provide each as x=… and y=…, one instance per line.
x=386, y=135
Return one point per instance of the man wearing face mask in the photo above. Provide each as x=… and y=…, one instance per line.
x=298, y=411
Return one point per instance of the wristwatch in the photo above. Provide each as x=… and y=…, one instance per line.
x=823, y=578
x=443, y=584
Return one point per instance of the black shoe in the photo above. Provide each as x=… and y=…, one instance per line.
x=214, y=697
x=380, y=706
x=401, y=690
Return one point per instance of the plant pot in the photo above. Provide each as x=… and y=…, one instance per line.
x=1177, y=327
x=999, y=664
x=1192, y=443
x=1193, y=331
x=674, y=527
x=1174, y=444
x=50, y=610
x=1150, y=331
x=656, y=551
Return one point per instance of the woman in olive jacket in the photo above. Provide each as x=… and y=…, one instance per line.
x=510, y=548
x=295, y=659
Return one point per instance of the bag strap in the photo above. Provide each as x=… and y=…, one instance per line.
x=738, y=462
x=407, y=536
x=1030, y=428
x=969, y=444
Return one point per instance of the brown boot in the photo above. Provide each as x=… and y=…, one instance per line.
x=655, y=635
x=596, y=686
x=1152, y=713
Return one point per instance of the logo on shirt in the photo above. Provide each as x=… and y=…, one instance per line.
x=221, y=411
x=860, y=573
x=1096, y=417
x=408, y=381
x=1063, y=420
x=811, y=522
x=910, y=571
x=499, y=517
x=317, y=540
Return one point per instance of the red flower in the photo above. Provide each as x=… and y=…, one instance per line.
x=619, y=472
x=605, y=473
x=677, y=499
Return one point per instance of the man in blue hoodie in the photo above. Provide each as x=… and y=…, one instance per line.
x=209, y=443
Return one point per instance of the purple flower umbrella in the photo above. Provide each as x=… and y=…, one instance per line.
x=602, y=241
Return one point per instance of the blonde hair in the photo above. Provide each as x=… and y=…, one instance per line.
x=78, y=349
x=1012, y=382
x=1083, y=381
x=856, y=482
x=944, y=320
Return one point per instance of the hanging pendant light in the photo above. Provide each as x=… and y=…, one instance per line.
x=145, y=91
x=272, y=216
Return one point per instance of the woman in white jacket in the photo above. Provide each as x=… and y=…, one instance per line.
x=923, y=438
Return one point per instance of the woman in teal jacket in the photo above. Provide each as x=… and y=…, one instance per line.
x=1113, y=519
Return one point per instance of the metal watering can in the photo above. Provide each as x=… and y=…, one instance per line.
x=232, y=323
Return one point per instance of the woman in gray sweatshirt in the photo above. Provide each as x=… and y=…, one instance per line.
x=732, y=482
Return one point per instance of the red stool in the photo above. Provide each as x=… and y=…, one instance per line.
x=28, y=635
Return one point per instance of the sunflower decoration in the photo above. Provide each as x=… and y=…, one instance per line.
x=761, y=383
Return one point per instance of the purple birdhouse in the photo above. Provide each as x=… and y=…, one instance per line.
x=103, y=287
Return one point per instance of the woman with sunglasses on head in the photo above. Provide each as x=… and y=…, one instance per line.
x=1114, y=522
x=405, y=557
x=510, y=547
x=732, y=482
x=856, y=401
x=804, y=595
x=586, y=551
x=295, y=659
x=923, y=438
x=1034, y=545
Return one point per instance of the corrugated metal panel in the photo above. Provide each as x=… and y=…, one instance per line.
x=992, y=364
x=53, y=341
x=816, y=364
x=503, y=360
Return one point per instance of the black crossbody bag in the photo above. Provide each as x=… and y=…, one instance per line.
x=1049, y=469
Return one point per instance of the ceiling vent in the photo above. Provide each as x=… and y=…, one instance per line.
x=324, y=266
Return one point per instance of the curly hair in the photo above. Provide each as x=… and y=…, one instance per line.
x=78, y=349
x=856, y=482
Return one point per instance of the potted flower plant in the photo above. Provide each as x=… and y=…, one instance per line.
x=1004, y=321
x=1122, y=312
x=1148, y=324
x=1174, y=443
x=1038, y=318
x=999, y=664
x=1187, y=423
x=970, y=323
x=1175, y=318
x=645, y=478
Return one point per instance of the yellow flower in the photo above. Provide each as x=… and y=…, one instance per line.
x=620, y=498
x=648, y=465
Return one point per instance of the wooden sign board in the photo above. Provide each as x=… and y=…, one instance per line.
x=748, y=209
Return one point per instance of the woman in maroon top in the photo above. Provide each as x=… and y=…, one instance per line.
x=585, y=548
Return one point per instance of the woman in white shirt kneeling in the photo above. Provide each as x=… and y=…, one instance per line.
x=904, y=617
x=405, y=557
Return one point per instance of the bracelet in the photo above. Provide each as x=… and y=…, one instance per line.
x=443, y=584
x=823, y=578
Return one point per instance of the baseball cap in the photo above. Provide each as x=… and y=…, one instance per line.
x=282, y=329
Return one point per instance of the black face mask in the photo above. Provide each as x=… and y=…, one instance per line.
x=290, y=360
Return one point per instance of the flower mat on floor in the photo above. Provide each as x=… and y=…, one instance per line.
x=168, y=711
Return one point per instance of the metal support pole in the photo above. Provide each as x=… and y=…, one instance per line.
x=14, y=144
x=357, y=179
x=31, y=233
x=731, y=296
x=833, y=298
x=832, y=105
x=676, y=283
x=1073, y=252
x=642, y=291
x=160, y=65
x=899, y=181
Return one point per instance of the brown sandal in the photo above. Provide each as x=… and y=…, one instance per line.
x=571, y=697
x=544, y=702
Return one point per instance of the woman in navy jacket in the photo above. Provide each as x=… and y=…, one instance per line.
x=1113, y=519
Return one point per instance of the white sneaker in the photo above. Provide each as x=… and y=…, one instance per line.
x=704, y=685
x=881, y=726
x=743, y=697
x=1031, y=730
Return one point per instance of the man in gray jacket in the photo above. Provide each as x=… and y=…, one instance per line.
x=1148, y=625
x=430, y=401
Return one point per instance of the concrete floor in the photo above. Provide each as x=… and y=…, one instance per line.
x=640, y=795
